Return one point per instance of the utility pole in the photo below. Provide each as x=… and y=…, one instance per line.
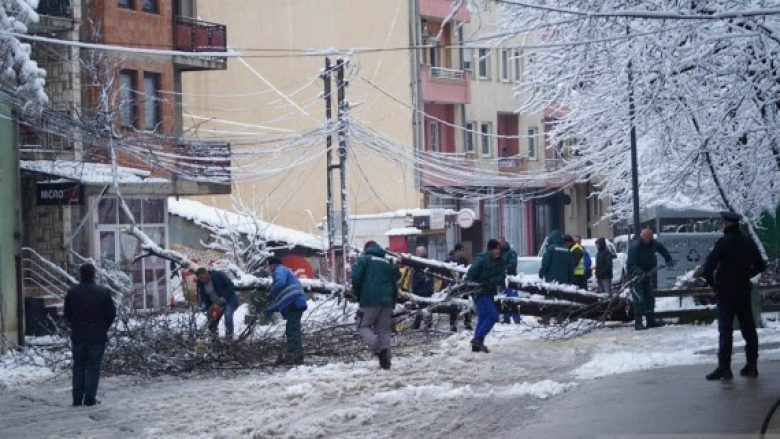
x=343, y=150
x=632, y=136
x=326, y=77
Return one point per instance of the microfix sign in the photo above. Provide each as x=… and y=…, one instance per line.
x=60, y=194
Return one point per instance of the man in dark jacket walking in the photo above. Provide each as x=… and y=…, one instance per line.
x=216, y=288
x=287, y=298
x=734, y=260
x=556, y=261
x=90, y=311
x=489, y=271
x=375, y=285
x=604, y=266
x=642, y=263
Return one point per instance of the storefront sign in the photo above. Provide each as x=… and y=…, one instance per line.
x=466, y=218
x=60, y=194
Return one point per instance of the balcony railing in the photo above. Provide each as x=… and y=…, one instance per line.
x=447, y=74
x=55, y=8
x=44, y=135
x=203, y=161
x=200, y=36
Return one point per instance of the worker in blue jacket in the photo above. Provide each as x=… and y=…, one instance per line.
x=286, y=297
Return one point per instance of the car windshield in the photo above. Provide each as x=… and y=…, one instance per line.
x=529, y=266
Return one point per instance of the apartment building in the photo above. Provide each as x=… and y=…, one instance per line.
x=128, y=102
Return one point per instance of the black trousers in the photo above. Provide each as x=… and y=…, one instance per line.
x=736, y=302
x=87, y=358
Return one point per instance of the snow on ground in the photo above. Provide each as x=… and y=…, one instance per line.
x=440, y=393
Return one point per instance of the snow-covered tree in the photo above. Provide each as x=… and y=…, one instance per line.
x=20, y=73
x=701, y=75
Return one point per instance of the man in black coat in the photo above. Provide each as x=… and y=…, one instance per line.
x=734, y=260
x=90, y=311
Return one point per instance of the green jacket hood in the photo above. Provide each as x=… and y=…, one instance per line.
x=375, y=250
x=555, y=238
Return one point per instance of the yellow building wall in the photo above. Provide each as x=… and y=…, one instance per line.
x=245, y=100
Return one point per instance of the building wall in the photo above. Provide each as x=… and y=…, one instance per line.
x=9, y=233
x=297, y=199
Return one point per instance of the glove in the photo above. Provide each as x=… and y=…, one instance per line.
x=222, y=302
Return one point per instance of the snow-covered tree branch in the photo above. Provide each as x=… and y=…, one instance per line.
x=21, y=73
x=705, y=91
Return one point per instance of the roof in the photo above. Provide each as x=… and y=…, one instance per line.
x=203, y=214
x=89, y=173
x=403, y=231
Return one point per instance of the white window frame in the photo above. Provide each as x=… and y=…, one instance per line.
x=469, y=136
x=533, y=134
x=504, y=69
x=118, y=230
x=518, y=65
x=483, y=56
x=434, y=130
x=485, y=139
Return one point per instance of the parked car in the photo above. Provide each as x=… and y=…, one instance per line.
x=528, y=267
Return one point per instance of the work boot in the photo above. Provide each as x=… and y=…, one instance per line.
x=720, y=373
x=749, y=371
x=384, y=359
x=638, y=324
x=479, y=346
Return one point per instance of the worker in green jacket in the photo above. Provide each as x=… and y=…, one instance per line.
x=642, y=262
x=375, y=285
x=556, y=261
x=489, y=271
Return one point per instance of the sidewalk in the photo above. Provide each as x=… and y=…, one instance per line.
x=674, y=402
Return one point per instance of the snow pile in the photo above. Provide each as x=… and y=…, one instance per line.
x=203, y=214
x=90, y=173
x=16, y=371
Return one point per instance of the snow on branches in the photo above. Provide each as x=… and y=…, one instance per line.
x=705, y=91
x=17, y=68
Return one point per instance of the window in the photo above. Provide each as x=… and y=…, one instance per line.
x=150, y=6
x=532, y=142
x=518, y=66
x=505, y=65
x=433, y=54
x=435, y=136
x=484, y=130
x=117, y=249
x=468, y=139
x=127, y=108
x=484, y=63
x=151, y=101
x=126, y=4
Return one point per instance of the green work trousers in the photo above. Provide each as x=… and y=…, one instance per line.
x=293, y=333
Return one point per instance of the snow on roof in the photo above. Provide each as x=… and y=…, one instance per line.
x=89, y=173
x=200, y=213
x=403, y=231
x=400, y=213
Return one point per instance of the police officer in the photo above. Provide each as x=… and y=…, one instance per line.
x=642, y=262
x=728, y=269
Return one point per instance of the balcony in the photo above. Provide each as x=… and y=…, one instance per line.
x=193, y=35
x=445, y=86
x=202, y=168
x=54, y=16
x=440, y=10
x=41, y=139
